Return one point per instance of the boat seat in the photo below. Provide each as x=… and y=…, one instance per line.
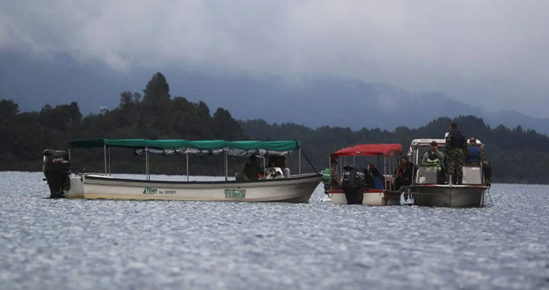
x=426, y=175
x=472, y=175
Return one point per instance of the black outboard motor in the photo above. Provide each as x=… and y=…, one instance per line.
x=353, y=183
x=57, y=171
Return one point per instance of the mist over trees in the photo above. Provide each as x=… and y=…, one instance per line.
x=516, y=155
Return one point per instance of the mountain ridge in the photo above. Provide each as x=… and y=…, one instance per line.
x=312, y=99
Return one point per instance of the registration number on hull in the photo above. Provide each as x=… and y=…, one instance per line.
x=153, y=191
x=235, y=193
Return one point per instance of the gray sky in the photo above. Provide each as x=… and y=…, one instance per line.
x=491, y=53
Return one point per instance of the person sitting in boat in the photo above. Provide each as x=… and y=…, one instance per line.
x=252, y=170
x=330, y=178
x=434, y=159
x=277, y=161
x=404, y=173
x=475, y=154
x=374, y=179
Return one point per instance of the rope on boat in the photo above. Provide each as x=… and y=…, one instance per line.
x=490, y=195
x=307, y=158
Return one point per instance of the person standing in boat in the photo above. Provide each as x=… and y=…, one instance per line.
x=330, y=178
x=456, y=147
x=475, y=154
x=486, y=167
x=434, y=159
x=476, y=157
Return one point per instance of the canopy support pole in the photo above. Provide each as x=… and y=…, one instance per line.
x=105, y=156
x=110, y=171
x=384, y=166
x=226, y=161
x=391, y=164
x=299, y=171
x=187, y=165
x=147, y=163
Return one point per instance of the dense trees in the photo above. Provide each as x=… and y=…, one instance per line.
x=516, y=154
x=155, y=115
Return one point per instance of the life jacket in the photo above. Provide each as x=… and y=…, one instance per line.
x=457, y=139
x=433, y=160
x=327, y=176
x=473, y=155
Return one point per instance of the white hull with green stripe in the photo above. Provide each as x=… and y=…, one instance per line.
x=296, y=189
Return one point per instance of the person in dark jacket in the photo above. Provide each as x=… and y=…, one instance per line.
x=252, y=170
x=404, y=173
x=456, y=147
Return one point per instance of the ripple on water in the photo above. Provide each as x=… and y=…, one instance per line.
x=106, y=244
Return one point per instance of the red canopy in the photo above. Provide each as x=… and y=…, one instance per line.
x=369, y=150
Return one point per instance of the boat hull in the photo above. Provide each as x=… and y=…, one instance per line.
x=448, y=195
x=293, y=189
x=369, y=197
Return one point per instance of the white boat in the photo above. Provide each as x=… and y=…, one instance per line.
x=425, y=190
x=284, y=188
x=370, y=196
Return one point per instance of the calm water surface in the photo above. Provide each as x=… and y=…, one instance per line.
x=101, y=244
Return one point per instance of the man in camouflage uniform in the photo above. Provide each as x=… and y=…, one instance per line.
x=456, y=146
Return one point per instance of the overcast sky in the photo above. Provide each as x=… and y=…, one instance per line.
x=491, y=53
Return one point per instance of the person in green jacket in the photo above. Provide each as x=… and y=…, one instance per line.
x=330, y=178
x=434, y=160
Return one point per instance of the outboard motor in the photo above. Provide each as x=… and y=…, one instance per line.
x=57, y=171
x=353, y=183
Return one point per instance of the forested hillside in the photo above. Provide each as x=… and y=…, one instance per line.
x=153, y=115
x=516, y=155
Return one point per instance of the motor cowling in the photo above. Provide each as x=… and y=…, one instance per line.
x=56, y=168
x=353, y=183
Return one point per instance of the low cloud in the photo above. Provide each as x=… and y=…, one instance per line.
x=493, y=53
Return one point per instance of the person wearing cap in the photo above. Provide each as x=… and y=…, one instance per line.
x=434, y=159
x=475, y=154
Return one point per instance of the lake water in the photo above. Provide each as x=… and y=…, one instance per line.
x=102, y=244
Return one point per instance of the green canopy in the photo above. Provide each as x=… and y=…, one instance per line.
x=175, y=146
